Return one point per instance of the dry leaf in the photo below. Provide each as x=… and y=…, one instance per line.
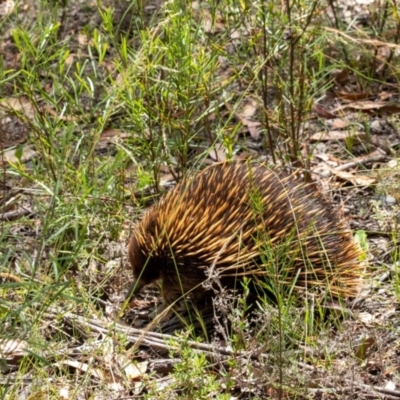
x=64, y=393
x=115, y=387
x=7, y=7
x=248, y=111
x=18, y=104
x=84, y=367
x=166, y=180
x=110, y=133
x=253, y=128
x=55, y=114
x=387, y=107
x=135, y=371
x=83, y=40
x=322, y=112
x=365, y=2
x=340, y=76
x=366, y=317
x=362, y=350
x=219, y=153
x=108, y=350
x=356, y=180
x=242, y=156
x=12, y=348
x=334, y=135
x=11, y=354
x=6, y=276
x=352, y=96
x=390, y=385
x=338, y=123
x=70, y=59
x=21, y=153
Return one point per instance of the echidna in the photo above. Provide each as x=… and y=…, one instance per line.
x=244, y=220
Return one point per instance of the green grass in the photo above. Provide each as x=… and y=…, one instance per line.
x=168, y=88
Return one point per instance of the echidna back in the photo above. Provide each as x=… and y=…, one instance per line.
x=236, y=220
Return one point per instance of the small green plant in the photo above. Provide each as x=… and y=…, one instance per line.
x=193, y=377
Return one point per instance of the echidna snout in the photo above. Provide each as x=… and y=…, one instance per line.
x=226, y=217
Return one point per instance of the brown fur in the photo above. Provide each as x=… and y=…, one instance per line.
x=216, y=221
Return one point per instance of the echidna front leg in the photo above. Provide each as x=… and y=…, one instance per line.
x=166, y=307
x=161, y=310
x=135, y=288
x=174, y=300
x=169, y=298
